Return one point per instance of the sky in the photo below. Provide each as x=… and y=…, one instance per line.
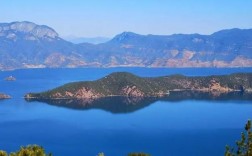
x=107, y=18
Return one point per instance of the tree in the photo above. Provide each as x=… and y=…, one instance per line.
x=3, y=153
x=244, y=146
x=30, y=150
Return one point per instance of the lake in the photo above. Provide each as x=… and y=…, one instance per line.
x=164, y=127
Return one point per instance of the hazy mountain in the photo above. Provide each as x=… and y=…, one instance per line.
x=92, y=40
x=27, y=45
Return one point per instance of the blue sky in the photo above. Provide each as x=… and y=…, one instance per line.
x=91, y=18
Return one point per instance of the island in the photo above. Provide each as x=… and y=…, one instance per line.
x=10, y=78
x=4, y=96
x=129, y=85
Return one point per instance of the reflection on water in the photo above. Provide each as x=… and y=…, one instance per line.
x=120, y=104
x=217, y=96
x=112, y=104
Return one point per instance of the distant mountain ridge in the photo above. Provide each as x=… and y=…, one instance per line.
x=28, y=45
x=92, y=40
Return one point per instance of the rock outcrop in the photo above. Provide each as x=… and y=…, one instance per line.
x=132, y=91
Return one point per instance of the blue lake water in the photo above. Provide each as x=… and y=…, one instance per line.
x=161, y=128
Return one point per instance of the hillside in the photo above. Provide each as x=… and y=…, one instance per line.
x=28, y=45
x=129, y=85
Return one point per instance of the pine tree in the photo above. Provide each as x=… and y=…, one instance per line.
x=244, y=146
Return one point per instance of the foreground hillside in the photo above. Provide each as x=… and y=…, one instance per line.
x=28, y=45
x=129, y=85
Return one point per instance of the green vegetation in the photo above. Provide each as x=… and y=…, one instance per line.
x=127, y=84
x=30, y=150
x=35, y=150
x=3, y=153
x=244, y=146
x=110, y=85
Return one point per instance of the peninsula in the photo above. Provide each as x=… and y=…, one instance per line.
x=129, y=85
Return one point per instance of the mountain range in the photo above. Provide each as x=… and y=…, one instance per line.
x=28, y=45
x=92, y=40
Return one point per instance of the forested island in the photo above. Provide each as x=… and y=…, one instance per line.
x=129, y=85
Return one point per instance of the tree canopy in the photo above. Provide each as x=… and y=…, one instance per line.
x=30, y=150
